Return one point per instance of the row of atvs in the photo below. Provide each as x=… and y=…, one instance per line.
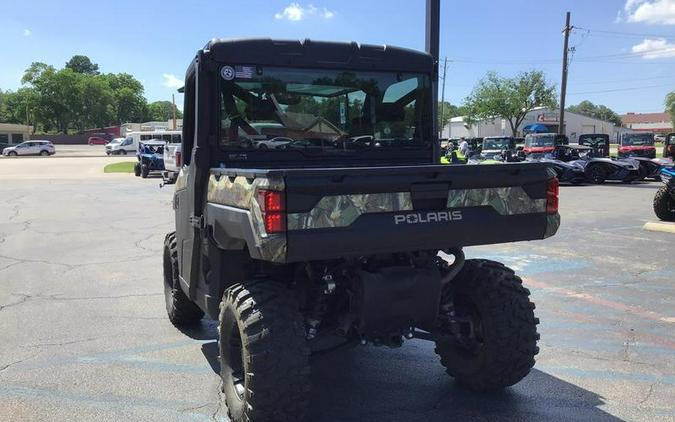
x=581, y=164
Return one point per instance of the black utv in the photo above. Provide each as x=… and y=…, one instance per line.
x=294, y=250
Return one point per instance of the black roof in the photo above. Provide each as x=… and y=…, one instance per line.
x=320, y=54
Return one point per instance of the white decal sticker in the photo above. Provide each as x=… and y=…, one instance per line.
x=244, y=72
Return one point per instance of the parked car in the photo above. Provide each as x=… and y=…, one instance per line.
x=110, y=145
x=538, y=144
x=637, y=145
x=172, y=163
x=669, y=147
x=97, y=140
x=44, y=148
x=664, y=200
x=150, y=157
x=130, y=143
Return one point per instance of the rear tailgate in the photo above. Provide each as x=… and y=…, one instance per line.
x=170, y=157
x=333, y=213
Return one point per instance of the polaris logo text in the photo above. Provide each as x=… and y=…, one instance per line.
x=428, y=217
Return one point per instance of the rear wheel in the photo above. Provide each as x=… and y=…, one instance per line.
x=596, y=174
x=664, y=204
x=145, y=171
x=44, y=153
x=498, y=341
x=123, y=152
x=12, y=153
x=181, y=310
x=264, y=358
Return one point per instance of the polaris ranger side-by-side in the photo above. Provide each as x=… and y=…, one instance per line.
x=351, y=233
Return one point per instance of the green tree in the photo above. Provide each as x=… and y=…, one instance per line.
x=129, y=105
x=601, y=112
x=670, y=106
x=449, y=111
x=162, y=111
x=82, y=64
x=19, y=107
x=510, y=98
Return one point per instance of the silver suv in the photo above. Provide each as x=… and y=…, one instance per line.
x=30, y=148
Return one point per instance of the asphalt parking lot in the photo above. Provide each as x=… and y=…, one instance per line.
x=84, y=334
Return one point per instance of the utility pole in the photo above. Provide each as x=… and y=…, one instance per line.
x=173, y=102
x=432, y=41
x=440, y=130
x=563, y=84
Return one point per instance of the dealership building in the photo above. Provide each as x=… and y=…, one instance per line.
x=659, y=123
x=575, y=125
x=11, y=133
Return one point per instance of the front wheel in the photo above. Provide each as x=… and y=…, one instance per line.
x=12, y=154
x=264, y=358
x=664, y=204
x=137, y=169
x=596, y=174
x=44, y=153
x=145, y=171
x=181, y=310
x=497, y=342
x=123, y=152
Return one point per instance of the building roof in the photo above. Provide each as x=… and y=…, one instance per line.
x=645, y=118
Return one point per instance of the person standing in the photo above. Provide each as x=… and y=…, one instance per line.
x=463, y=148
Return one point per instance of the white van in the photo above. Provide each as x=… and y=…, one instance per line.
x=130, y=143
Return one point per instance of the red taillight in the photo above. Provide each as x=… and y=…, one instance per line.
x=178, y=157
x=273, y=201
x=272, y=207
x=552, y=194
x=275, y=222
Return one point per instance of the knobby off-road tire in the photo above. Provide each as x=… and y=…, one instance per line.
x=137, y=169
x=145, y=171
x=264, y=357
x=664, y=204
x=181, y=310
x=506, y=328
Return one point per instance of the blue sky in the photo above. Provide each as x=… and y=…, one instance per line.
x=626, y=61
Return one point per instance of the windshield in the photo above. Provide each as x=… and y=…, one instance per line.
x=496, y=143
x=323, y=111
x=637, y=139
x=540, y=140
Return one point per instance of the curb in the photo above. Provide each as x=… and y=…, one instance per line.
x=660, y=226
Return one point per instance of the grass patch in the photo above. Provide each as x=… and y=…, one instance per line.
x=123, y=167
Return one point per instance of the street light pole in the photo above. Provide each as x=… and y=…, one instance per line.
x=563, y=84
x=173, y=102
x=440, y=130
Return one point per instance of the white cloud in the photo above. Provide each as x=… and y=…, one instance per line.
x=27, y=32
x=654, y=48
x=171, y=81
x=650, y=11
x=295, y=12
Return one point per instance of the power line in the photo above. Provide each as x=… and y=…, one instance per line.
x=625, y=34
x=623, y=80
x=637, y=88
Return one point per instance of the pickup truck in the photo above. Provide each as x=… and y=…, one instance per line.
x=172, y=163
x=331, y=241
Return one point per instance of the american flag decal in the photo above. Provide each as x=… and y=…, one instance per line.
x=244, y=72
